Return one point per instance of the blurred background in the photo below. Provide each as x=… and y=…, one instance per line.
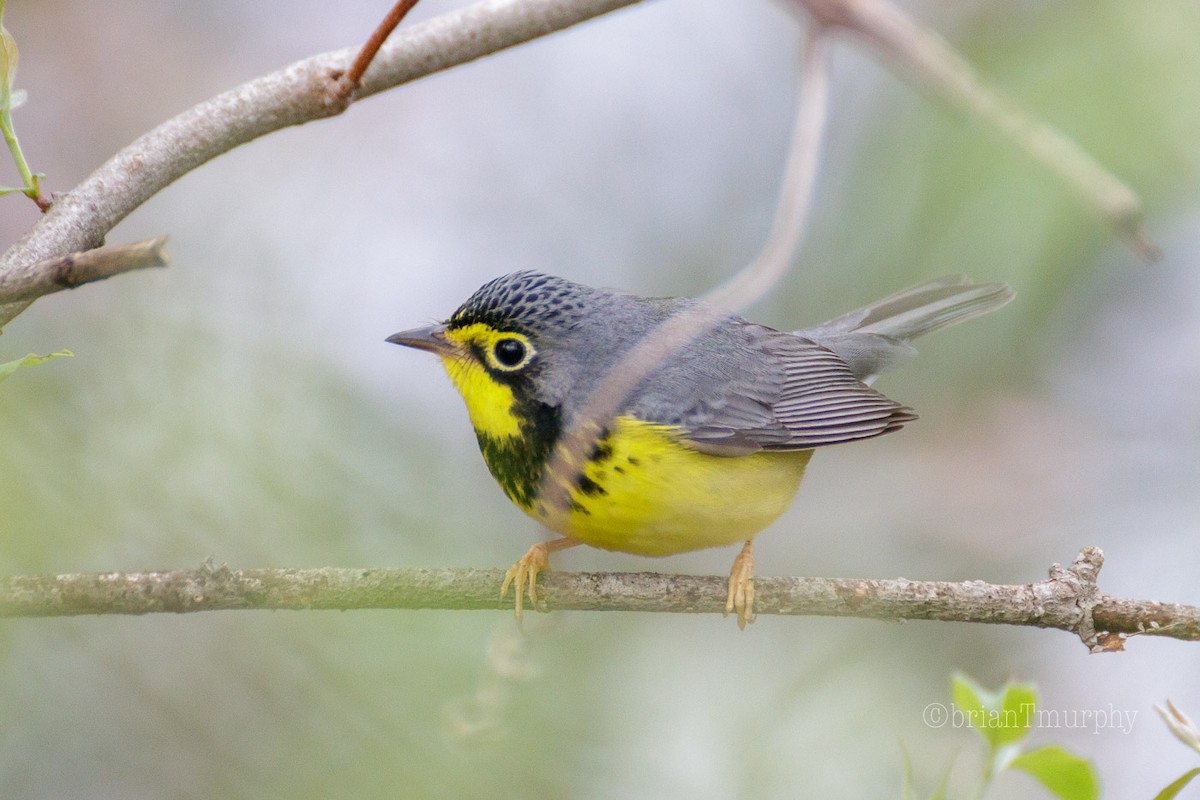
x=243, y=405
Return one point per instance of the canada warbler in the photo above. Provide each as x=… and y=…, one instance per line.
x=705, y=450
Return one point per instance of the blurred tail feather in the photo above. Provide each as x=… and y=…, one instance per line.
x=875, y=337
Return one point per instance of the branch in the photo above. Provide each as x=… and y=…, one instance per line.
x=76, y=269
x=313, y=89
x=750, y=284
x=792, y=208
x=299, y=93
x=564, y=469
x=931, y=63
x=347, y=82
x=1068, y=600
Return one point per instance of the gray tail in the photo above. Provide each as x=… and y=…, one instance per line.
x=876, y=337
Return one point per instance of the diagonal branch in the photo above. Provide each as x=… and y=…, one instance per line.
x=756, y=280
x=299, y=93
x=747, y=286
x=934, y=66
x=347, y=82
x=1067, y=600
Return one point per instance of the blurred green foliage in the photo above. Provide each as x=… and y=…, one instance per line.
x=9, y=367
x=1003, y=719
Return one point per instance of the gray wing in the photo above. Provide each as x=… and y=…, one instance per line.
x=793, y=394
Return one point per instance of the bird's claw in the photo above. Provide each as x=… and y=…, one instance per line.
x=741, y=587
x=523, y=575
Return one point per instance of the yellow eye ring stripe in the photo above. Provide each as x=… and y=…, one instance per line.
x=485, y=338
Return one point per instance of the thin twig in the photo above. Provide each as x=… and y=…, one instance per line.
x=1052, y=603
x=934, y=66
x=562, y=472
x=8, y=101
x=76, y=269
x=793, y=207
x=345, y=83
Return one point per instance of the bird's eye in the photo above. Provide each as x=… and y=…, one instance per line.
x=510, y=353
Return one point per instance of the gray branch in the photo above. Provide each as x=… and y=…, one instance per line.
x=934, y=66
x=299, y=93
x=1068, y=600
x=76, y=269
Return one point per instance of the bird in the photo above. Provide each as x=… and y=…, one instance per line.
x=706, y=445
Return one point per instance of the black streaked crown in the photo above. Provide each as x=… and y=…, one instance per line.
x=521, y=301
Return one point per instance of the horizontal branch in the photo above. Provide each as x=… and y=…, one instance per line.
x=1068, y=600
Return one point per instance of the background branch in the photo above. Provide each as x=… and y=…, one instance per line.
x=934, y=66
x=786, y=236
x=749, y=285
x=76, y=269
x=299, y=93
x=313, y=89
x=1067, y=600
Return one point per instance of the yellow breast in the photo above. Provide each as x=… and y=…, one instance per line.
x=649, y=493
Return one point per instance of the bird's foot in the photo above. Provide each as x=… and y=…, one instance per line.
x=524, y=573
x=741, y=587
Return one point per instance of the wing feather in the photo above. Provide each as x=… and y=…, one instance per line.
x=814, y=400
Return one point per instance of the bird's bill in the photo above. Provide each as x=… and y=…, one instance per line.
x=431, y=338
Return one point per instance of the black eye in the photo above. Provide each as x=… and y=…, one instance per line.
x=509, y=352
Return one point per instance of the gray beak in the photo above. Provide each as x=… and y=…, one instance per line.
x=430, y=338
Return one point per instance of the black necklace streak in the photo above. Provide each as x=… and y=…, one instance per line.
x=517, y=463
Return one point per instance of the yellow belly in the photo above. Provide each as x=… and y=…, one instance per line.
x=657, y=497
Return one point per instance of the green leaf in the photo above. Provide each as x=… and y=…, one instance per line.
x=12, y=366
x=1000, y=717
x=906, y=791
x=969, y=696
x=1016, y=707
x=1177, y=785
x=939, y=792
x=1065, y=774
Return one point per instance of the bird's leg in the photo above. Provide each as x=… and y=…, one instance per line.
x=524, y=573
x=741, y=586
